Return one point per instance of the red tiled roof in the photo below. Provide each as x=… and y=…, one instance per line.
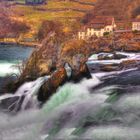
x=97, y=25
x=102, y=20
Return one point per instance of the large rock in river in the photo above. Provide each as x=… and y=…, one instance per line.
x=51, y=85
x=59, y=77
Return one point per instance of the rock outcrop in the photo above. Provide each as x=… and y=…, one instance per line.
x=62, y=63
x=66, y=61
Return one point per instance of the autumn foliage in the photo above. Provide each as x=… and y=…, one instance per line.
x=49, y=27
x=10, y=28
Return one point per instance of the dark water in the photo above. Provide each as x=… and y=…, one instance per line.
x=10, y=55
x=13, y=52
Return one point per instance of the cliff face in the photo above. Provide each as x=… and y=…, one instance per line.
x=51, y=57
x=53, y=54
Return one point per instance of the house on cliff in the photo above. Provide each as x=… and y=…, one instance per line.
x=98, y=27
x=136, y=25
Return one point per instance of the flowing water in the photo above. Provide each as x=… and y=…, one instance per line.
x=105, y=107
x=10, y=57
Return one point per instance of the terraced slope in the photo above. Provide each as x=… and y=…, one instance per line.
x=64, y=11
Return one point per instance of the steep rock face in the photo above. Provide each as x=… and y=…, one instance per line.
x=53, y=54
x=58, y=78
x=51, y=57
x=43, y=60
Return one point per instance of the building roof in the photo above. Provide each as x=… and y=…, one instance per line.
x=100, y=22
x=123, y=25
x=136, y=20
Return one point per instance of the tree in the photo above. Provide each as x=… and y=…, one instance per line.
x=17, y=28
x=49, y=27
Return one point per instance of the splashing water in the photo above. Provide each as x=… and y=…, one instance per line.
x=7, y=68
x=101, y=108
x=24, y=97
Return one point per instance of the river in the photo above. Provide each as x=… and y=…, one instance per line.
x=10, y=56
x=105, y=107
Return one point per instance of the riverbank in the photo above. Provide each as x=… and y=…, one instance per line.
x=24, y=44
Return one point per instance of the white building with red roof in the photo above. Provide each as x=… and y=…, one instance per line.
x=98, y=27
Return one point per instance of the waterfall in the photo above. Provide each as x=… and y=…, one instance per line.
x=110, y=112
x=105, y=107
x=78, y=111
x=24, y=97
x=8, y=68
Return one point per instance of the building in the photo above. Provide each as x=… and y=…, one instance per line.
x=136, y=25
x=98, y=27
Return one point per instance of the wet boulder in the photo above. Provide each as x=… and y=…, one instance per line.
x=109, y=68
x=50, y=86
x=61, y=76
x=82, y=72
x=110, y=56
x=130, y=63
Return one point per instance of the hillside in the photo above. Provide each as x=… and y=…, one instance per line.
x=67, y=12
x=8, y=26
x=121, y=10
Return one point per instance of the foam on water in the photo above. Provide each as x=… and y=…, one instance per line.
x=112, y=133
x=25, y=96
x=71, y=96
x=7, y=68
x=75, y=112
x=129, y=102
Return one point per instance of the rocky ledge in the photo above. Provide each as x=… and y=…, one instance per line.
x=66, y=61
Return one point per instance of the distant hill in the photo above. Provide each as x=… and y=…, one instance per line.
x=120, y=9
x=65, y=11
x=10, y=27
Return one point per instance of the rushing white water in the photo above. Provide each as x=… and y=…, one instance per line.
x=65, y=116
x=101, y=108
x=11, y=59
x=27, y=127
x=128, y=56
x=7, y=68
x=25, y=96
